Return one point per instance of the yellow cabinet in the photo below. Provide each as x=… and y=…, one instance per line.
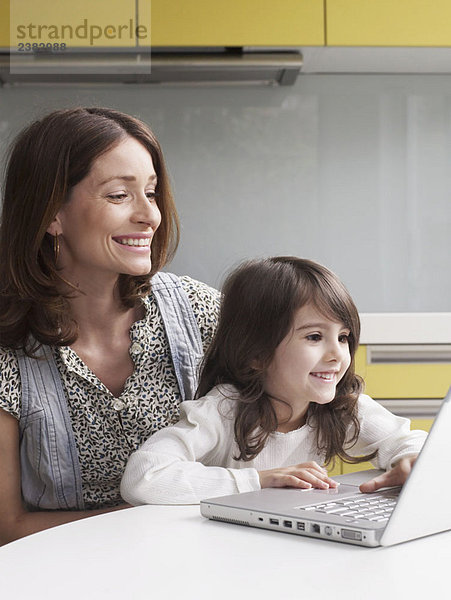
x=4, y=24
x=114, y=23
x=234, y=22
x=81, y=24
x=403, y=380
x=388, y=23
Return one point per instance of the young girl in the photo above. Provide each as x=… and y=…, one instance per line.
x=278, y=397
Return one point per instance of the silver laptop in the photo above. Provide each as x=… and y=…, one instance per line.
x=389, y=516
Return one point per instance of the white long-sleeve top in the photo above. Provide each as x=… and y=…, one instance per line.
x=193, y=459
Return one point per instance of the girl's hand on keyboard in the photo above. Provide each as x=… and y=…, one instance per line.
x=393, y=477
x=305, y=475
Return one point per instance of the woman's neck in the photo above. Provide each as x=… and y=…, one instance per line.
x=99, y=313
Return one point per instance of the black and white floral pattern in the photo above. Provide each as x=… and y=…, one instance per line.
x=107, y=429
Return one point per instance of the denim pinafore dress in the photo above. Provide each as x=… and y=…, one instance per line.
x=50, y=469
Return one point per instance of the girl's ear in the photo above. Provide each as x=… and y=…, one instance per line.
x=55, y=226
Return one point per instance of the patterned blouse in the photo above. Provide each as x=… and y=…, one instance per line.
x=107, y=429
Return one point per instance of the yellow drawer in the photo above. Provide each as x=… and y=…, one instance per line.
x=424, y=424
x=403, y=380
x=341, y=468
x=388, y=23
x=337, y=470
x=234, y=22
x=347, y=468
x=4, y=24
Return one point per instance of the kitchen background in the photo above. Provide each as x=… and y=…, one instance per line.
x=351, y=170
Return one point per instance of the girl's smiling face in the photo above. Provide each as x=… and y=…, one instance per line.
x=107, y=225
x=309, y=362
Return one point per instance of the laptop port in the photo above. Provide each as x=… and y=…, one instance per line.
x=351, y=534
x=316, y=528
x=273, y=521
x=300, y=526
x=288, y=524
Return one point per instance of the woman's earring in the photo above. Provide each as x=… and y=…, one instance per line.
x=56, y=247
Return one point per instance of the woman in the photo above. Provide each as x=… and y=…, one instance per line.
x=97, y=347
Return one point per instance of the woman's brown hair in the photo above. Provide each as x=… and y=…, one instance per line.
x=46, y=161
x=260, y=299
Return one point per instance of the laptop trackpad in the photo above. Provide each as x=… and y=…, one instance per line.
x=306, y=497
x=348, y=487
x=358, y=477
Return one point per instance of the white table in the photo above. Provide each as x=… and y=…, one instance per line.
x=165, y=552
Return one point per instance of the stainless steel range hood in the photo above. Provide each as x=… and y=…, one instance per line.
x=225, y=65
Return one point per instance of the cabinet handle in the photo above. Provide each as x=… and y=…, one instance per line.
x=412, y=407
x=408, y=353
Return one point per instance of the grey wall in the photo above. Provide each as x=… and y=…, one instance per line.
x=352, y=171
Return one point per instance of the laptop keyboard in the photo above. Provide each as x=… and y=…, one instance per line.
x=361, y=507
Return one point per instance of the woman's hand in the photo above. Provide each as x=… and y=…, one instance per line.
x=304, y=476
x=393, y=477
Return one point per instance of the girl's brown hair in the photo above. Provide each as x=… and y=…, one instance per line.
x=259, y=303
x=46, y=161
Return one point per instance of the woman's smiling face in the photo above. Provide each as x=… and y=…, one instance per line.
x=107, y=225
